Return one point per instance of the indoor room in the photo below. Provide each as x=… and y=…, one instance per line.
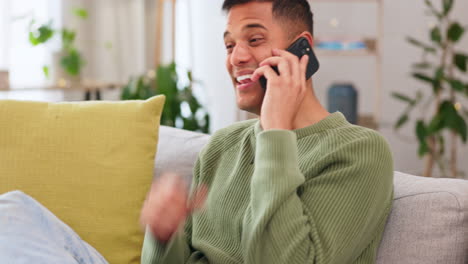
x=101, y=101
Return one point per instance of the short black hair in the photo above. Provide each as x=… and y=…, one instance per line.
x=293, y=12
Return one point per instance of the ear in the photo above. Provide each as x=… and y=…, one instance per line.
x=308, y=36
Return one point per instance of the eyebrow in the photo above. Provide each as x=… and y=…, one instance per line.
x=248, y=26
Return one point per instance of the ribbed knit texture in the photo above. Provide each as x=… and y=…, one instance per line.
x=319, y=194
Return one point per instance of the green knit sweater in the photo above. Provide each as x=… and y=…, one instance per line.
x=319, y=194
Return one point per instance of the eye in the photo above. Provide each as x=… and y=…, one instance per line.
x=229, y=47
x=255, y=40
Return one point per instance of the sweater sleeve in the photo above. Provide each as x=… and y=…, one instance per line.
x=178, y=248
x=330, y=217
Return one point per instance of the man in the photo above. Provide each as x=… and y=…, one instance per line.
x=300, y=185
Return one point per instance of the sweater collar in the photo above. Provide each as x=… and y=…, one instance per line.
x=332, y=121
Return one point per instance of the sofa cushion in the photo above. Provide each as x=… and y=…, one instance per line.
x=428, y=223
x=179, y=151
x=89, y=163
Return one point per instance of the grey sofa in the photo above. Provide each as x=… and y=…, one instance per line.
x=428, y=223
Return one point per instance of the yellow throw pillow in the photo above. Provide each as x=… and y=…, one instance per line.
x=90, y=163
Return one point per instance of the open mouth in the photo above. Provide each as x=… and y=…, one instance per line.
x=244, y=79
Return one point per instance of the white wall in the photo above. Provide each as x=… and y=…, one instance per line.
x=209, y=61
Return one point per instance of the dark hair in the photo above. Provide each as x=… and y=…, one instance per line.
x=293, y=12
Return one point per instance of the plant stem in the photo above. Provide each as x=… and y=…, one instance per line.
x=433, y=151
x=453, y=155
x=453, y=134
x=430, y=157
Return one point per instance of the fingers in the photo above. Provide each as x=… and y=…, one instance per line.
x=303, y=70
x=281, y=63
x=293, y=62
x=266, y=71
x=296, y=71
x=167, y=221
x=167, y=205
x=292, y=69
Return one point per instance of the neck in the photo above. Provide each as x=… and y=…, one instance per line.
x=311, y=110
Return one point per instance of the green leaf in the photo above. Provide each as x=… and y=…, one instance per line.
x=421, y=134
x=421, y=131
x=439, y=77
x=32, y=39
x=453, y=120
x=433, y=10
x=423, y=77
x=72, y=62
x=439, y=74
x=403, y=98
x=423, y=149
x=401, y=121
x=422, y=65
x=455, y=32
x=448, y=4
x=436, y=124
x=190, y=76
x=460, y=61
x=460, y=127
x=68, y=37
x=41, y=35
x=436, y=36
x=457, y=85
x=81, y=13
x=45, y=70
x=418, y=43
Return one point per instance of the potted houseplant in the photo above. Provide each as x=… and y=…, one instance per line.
x=182, y=109
x=443, y=63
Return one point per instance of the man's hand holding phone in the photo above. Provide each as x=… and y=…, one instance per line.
x=285, y=91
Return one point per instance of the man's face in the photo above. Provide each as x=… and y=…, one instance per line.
x=250, y=36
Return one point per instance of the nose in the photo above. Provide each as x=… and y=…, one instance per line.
x=240, y=55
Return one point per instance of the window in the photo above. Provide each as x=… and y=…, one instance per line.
x=17, y=55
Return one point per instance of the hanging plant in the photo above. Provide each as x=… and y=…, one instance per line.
x=71, y=59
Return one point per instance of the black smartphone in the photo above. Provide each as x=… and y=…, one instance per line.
x=300, y=47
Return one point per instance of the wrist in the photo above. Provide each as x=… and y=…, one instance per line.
x=276, y=126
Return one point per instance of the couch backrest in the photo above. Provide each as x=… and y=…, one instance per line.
x=428, y=223
x=177, y=151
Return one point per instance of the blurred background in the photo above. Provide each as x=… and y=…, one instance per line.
x=397, y=66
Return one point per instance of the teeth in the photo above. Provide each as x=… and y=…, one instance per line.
x=244, y=77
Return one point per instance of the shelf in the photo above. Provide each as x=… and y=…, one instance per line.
x=346, y=1
x=368, y=47
x=84, y=86
x=344, y=53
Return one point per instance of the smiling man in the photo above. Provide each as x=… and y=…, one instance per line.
x=298, y=185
